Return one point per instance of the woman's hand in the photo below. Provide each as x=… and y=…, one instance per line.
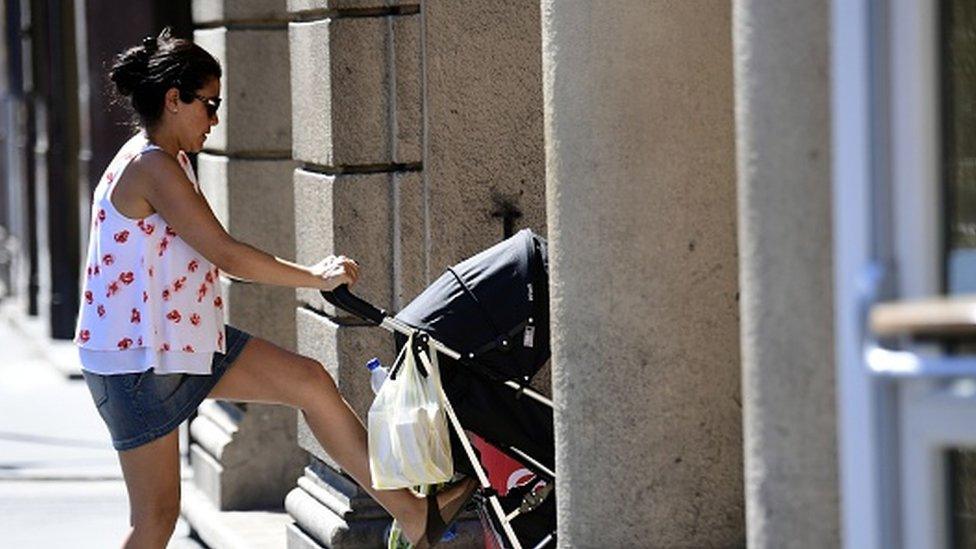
x=335, y=271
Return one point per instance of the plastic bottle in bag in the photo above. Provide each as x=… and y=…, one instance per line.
x=377, y=374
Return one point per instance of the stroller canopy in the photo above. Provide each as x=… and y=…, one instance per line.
x=494, y=305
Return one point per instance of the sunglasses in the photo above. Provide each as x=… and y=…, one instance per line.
x=210, y=103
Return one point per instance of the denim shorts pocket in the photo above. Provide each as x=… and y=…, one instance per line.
x=166, y=385
x=136, y=380
x=97, y=388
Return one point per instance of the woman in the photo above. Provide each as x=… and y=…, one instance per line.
x=150, y=331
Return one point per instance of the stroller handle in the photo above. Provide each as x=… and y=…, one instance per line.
x=342, y=298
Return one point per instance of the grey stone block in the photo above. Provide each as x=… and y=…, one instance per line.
x=253, y=199
x=355, y=520
x=339, y=493
x=346, y=215
x=230, y=459
x=255, y=116
x=321, y=528
x=220, y=11
x=296, y=6
x=229, y=529
x=343, y=350
x=356, y=90
x=261, y=310
x=408, y=89
x=410, y=269
x=335, y=509
x=485, y=133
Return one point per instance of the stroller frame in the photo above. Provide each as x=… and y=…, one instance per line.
x=342, y=298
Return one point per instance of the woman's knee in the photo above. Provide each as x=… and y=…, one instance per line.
x=316, y=382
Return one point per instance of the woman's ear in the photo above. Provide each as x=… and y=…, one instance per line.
x=172, y=100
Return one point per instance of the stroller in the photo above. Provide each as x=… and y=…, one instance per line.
x=488, y=318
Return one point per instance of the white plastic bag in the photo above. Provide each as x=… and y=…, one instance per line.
x=409, y=444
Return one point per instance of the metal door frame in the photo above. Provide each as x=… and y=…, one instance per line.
x=897, y=413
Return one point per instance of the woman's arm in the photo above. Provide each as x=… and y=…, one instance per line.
x=168, y=190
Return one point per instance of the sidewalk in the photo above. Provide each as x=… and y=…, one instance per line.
x=60, y=481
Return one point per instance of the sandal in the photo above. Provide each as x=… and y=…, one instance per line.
x=436, y=524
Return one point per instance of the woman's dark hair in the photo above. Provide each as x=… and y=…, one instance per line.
x=144, y=74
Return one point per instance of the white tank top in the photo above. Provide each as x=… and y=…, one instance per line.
x=149, y=300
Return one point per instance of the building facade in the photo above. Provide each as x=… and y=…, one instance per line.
x=728, y=189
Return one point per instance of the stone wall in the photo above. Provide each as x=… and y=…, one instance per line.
x=418, y=130
x=246, y=173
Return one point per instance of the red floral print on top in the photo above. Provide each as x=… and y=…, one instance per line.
x=152, y=284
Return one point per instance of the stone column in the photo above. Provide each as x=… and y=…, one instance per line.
x=783, y=129
x=356, y=121
x=246, y=457
x=643, y=272
x=419, y=130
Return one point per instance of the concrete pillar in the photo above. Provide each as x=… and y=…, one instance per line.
x=419, y=131
x=246, y=457
x=643, y=273
x=783, y=129
x=356, y=122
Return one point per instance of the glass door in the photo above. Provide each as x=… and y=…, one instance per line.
x=958, y=53
x=905, y=242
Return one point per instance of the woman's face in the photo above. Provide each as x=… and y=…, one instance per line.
x=198, y=116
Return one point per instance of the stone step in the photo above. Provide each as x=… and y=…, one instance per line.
x=233, y=529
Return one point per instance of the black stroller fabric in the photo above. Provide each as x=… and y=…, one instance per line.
x=494, y=304
x=493, y=308
x=484, y=306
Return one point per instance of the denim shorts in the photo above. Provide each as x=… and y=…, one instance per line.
x=141, y=407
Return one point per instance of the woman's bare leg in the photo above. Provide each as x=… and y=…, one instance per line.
x=152, y=480
x=267, y=373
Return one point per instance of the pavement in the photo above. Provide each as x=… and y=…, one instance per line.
x=60, y=481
